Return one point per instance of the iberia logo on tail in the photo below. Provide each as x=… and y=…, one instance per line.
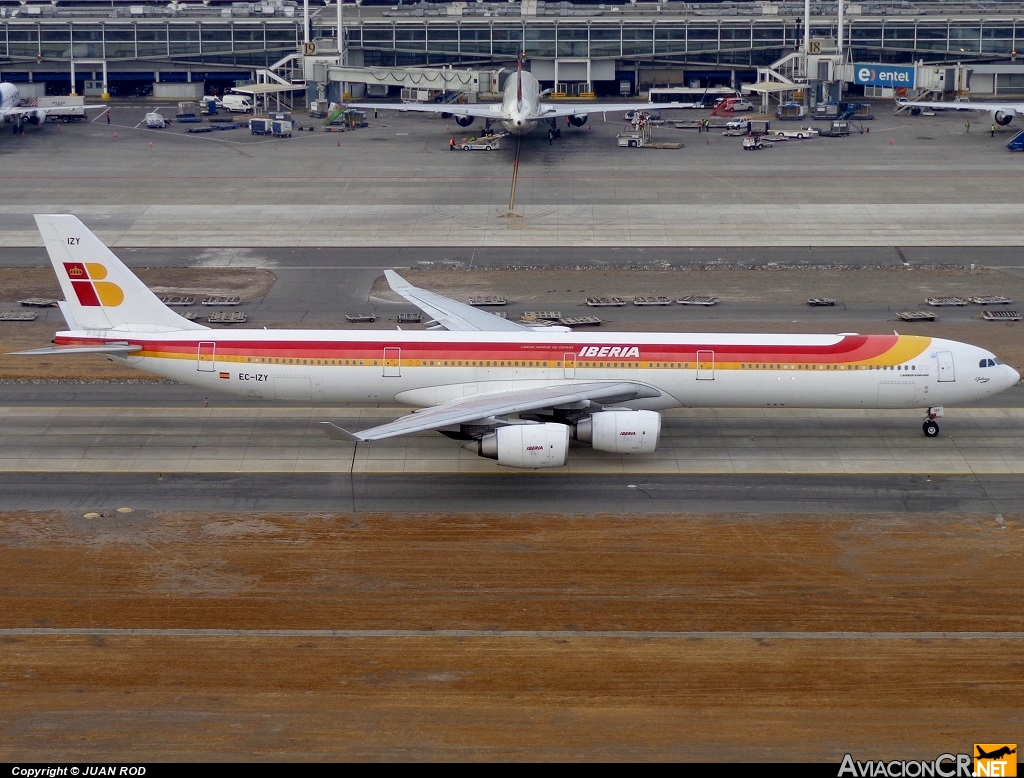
x=91, y=289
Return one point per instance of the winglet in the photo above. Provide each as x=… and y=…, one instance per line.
x=334, y=432
x=395, y=281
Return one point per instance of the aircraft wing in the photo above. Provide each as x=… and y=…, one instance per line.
x=22, y=110
x=449, y=314
x=486, y=406
x=552, y=111
x=993, y=108
x=479, y=111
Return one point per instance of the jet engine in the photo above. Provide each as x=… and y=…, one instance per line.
x=527, y=445
x=578, y=121
x=34, y=117
x=464, y=121
x=621, y=432
x=1003, y=117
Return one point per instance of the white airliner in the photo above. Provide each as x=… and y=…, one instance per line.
x=520, y=109
x=9, y=108
x=1002, y=113
x=514, y=393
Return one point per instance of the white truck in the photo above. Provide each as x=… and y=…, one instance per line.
x=236, y=103
x=63, y=109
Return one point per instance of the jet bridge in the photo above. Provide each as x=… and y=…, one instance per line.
x=470, y=83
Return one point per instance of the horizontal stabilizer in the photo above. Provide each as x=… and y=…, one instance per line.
x=99, y=348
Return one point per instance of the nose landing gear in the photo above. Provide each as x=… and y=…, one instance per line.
x=930, y=426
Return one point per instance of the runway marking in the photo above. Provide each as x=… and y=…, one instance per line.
x=512, y=633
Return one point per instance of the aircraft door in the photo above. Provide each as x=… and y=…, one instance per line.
x=568, y=365
x=946, y=371
x=392, y=362
x=706, y=365
x=205, y=356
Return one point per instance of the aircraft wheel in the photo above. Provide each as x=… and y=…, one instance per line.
x=931, y=429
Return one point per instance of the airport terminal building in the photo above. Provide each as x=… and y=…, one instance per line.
x=126, y=46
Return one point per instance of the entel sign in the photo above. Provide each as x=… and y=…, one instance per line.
x=865, y=74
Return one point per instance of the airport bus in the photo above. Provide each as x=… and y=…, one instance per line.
x=697, y=97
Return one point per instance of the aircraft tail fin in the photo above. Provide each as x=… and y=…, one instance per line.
x=101, y=293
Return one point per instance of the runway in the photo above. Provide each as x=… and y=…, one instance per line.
x=277, y=458
x=98, y=439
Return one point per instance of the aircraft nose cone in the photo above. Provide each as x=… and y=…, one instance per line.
x=1014, y=375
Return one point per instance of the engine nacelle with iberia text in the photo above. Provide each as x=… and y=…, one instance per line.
x=531, y=446
x=621, y=432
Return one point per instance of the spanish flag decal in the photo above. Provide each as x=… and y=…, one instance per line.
x=225, y=375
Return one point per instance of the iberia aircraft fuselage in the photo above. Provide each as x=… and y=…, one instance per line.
x=520, y=393
x=696, y=370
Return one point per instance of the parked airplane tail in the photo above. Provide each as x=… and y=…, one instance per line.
x=101, y=292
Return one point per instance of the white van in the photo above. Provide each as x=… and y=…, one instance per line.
x=237, y=103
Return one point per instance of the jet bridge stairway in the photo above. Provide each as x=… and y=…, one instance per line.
x=1016, y=143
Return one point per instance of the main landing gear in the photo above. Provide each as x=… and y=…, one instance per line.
x=930, y=426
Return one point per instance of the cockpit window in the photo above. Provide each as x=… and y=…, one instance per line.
x=989, y=363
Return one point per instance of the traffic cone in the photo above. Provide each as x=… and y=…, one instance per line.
x=115, y=135
x=891, y=142
x=151, y=144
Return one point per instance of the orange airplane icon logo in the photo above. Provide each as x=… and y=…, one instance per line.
x=998, y=760
x=90, y=288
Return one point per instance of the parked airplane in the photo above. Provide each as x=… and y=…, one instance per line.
x=520, y=109
x=1001, y=113
x=9, y=108
x=515, y=393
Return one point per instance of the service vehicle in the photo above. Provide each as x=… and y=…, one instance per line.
x=237, y=103
x=209, y=105
x=737, y=124
x=735, y=103
x=654, y=115
x=63, y=108
x=803, y=132
x=486, y=143
x=755, y=143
